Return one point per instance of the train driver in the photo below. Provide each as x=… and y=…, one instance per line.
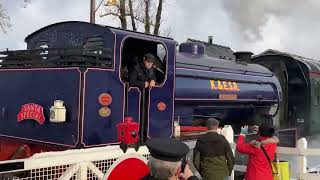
x=142, y=75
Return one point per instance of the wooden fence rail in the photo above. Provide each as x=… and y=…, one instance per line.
x=82, y=164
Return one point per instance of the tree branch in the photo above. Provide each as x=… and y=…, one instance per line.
x=147, y=17
x=158, y=18
x=133, y=23
x=109, y=13
x=4, y=20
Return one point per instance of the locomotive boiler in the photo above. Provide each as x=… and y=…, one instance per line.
x=236, y=92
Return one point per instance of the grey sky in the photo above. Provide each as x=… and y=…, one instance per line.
x=286, y=25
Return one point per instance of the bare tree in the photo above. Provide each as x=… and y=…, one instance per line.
x=133, y=22
x=119, y=11
x=123, y=15
x=158, y=18
x=4, y=20
x=141, y=12
x=147, y=16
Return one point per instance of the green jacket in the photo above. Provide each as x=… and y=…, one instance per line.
x=213, y=157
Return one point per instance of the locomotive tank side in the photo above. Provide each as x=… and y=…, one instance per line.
x=235, y=92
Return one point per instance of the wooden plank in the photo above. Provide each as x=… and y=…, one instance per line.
x=309, y=176
x=287, y=150
x=311, y=152
x=240, y=168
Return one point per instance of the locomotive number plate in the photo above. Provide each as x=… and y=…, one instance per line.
x=228, y=96
x=224, y=85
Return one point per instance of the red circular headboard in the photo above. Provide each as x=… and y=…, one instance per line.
x=128, y=168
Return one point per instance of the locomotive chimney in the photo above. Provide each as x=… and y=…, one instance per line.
x=210, y=39
x=244, y=56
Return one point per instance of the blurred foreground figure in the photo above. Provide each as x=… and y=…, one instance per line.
x=165, y=160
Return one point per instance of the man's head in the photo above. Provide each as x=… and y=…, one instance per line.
x=212, y=124
x=148, y=60
x=266, y=131
x=160, y=169
x=165, y=157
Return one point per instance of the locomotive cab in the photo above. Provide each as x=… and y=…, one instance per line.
x=83, y=65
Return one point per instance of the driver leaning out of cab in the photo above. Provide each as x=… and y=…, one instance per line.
x=142, y=75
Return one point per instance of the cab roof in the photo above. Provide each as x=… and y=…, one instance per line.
x=312, y=64
x=113, y=29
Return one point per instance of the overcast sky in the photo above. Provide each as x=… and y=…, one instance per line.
x=254, y=25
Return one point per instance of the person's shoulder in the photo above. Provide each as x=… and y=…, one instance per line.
x=223, y=139
x=137, y=68
x=210, y=136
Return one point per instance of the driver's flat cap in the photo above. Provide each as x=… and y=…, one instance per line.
x=149, y=57
x=167, y=149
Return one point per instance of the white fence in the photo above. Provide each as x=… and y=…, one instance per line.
x=81, y=164
x=93, y=163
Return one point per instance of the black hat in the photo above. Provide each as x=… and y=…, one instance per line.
x=266, y=131
x=212, y=122
x=167, y=149
x=149, y=57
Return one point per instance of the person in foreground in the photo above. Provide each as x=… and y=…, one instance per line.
x=212, y=155
x=165, y=160
x=259, y=166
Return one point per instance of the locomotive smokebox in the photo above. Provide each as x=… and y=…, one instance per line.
x=244, y=56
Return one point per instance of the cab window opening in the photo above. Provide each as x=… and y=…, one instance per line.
x=134, y=52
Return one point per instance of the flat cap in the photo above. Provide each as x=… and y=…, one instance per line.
x=149, y=57
x=167, y=149
x=212, y=122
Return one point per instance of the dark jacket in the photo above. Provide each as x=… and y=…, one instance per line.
x=139, y=74
x=258, y=164
x=149, y=177
x=213, y=156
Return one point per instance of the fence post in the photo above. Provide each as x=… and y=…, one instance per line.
x=302, y=159
x=83, y=171
x=228, y=133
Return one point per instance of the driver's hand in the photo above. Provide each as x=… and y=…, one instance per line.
x=152, y=83
x=146, y=84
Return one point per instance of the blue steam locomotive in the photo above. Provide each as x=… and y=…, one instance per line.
x=69, y=89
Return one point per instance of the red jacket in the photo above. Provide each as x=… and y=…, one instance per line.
x=258, y=166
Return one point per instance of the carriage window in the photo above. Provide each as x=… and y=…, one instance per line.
x=133, y=53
